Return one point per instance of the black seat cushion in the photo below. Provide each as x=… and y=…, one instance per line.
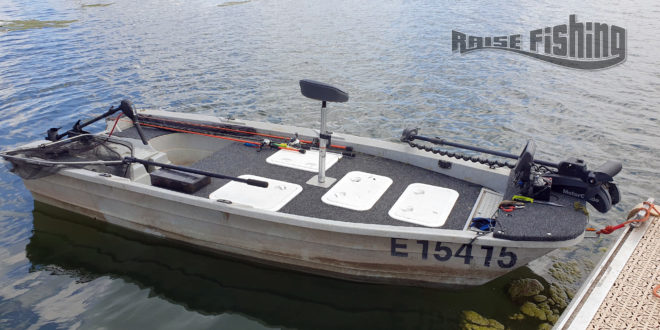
x=322, y=92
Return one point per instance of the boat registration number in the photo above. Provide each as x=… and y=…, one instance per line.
x=442, y=252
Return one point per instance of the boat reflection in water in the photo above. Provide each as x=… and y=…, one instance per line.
x=86, y=249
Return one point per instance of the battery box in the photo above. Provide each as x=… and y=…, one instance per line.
x=179, y=181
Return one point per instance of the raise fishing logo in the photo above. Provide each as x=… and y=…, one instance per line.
x=586, y=46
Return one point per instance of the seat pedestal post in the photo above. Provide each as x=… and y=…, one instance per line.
x=325, y=93
x=320, y=179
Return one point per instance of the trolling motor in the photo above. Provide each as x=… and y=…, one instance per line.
x=125, y=106
x=570, y=177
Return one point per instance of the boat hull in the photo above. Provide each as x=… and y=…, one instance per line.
x=381, y=254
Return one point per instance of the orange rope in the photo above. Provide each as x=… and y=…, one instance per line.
x=647, y=214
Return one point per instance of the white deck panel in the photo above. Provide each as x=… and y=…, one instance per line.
x=424, y=205
x=357, y=191
x=273, y=198
x=309, y=161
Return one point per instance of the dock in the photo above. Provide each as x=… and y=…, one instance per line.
x=619, y=292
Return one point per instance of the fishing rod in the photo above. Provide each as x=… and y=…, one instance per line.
x=237, y=131
x=251, y=143
x=252, y=182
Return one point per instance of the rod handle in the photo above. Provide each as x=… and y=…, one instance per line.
x=258, y=183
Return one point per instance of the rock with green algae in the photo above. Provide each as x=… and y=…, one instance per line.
x=545, y=326
x=517, y=316
x=546, y=309
x=540, y=298
x=523, y=288
x=566, y=272
x=559, y=296
x=530, y=309
x=471, y=320
x=569, y=293
x=16, y=25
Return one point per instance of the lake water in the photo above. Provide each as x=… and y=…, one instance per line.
x=244, y=59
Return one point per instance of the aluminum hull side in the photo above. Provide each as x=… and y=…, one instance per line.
x=436, y=258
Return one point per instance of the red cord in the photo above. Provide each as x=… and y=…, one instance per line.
x=115, y=125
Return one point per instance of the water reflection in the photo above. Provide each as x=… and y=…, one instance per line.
x=68, y=244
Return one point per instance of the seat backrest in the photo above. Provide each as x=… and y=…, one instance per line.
x=322, y=92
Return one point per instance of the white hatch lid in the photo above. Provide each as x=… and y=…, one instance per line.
x=309, y=161
x=273, y=198
x=357, y=191
x=424, y=204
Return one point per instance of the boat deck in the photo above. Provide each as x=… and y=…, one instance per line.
x=533, y=223
x=236, y=159
x=618, y=294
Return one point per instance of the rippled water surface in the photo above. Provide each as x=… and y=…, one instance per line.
x=65, y=60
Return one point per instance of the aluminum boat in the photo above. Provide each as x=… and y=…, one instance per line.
x=332, y=204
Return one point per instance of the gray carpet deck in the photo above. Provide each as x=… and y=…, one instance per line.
x=236, y=159
x=533, y=223
x=537, y=222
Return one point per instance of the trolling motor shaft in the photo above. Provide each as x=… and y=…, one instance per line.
x=411, y=134
x=125, y=106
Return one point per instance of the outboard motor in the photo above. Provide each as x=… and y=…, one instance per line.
x=597, y=186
